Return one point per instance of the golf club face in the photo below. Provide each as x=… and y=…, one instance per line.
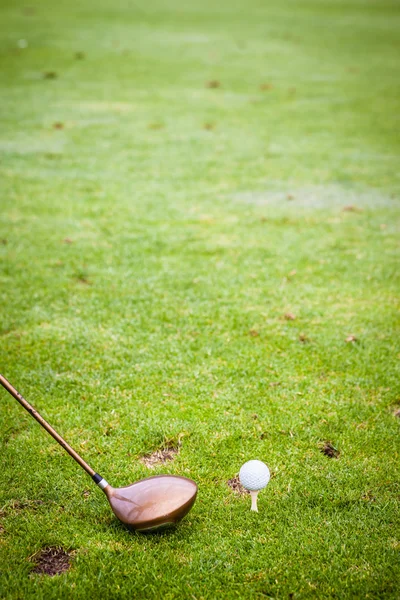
x=153, y=503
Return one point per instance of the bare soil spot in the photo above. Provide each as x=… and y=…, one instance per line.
x=51, y=561
x=214, y=83
x=50, y=75
x=329, y=450
x=159, y=457
x=236, y=486
x=265, y=87
x=58, y=125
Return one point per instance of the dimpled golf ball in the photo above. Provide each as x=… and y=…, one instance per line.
x=254, y=475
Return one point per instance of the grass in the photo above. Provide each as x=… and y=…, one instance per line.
x=155, y=228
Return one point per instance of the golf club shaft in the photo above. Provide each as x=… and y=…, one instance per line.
x=7, y=385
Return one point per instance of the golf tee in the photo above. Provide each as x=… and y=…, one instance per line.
x=254, y=501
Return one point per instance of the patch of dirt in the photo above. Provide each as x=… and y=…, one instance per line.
x=236, y=486
x=209, y=126
x=51, y=561
x=329, y=450
x=214, y=83
x=159, y=457
x=253, y=333
x=50, y=75
x=58, y=125
x=265, y=87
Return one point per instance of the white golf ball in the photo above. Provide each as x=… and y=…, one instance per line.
x=254, y=475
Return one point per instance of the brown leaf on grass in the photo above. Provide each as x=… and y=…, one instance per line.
x=329, y=450
x=351, y=208
x=159, y=457
x=214, y=83
x=274, y=383
x=50, y=75
x=85, y=281
x=289, y=197
x=289, y=316
x=236, y=486
x=52, y=560
x=253, y=333
x=265, y=87
x=350, y=339
x=58, y=125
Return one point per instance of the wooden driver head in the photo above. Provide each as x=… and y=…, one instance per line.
x=152, y=503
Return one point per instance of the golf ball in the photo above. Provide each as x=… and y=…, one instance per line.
x=254, y=475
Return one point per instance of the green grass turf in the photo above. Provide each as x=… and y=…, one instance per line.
x=150, y=246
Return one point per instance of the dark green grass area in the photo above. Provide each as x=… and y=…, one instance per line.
x=176, y=177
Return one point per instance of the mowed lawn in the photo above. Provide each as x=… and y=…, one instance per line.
x=199, y=246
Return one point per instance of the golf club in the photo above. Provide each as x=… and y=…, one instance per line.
x=147, y=505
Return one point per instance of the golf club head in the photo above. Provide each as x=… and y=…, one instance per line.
x=152, y=503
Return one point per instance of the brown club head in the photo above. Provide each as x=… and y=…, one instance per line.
x=152, y=503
